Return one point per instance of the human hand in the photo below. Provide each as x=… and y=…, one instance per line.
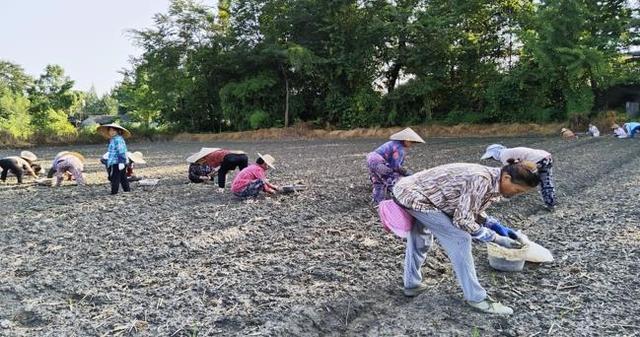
x=506, y=242
x=495, y=225
x=121, y=166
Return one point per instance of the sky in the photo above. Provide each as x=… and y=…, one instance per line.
x=88, y=38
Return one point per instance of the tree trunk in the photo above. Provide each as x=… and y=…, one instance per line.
x=286, y=101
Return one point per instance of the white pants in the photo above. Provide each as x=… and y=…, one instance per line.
x=457, y=245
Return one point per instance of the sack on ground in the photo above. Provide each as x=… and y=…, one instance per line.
x=395, y=218
x=535, y=252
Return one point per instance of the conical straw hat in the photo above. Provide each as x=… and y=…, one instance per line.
x=136, y=157
x=104, y=130
x=201, y=154
x=268, y=159
x=28, y=155
x=75, y=154
x=407, y=134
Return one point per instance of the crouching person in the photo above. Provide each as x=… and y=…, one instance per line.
x=19, y=165
x=386, y=162
x=543, y=160
x=448, y=202
x=69, y=164
x=253, y=179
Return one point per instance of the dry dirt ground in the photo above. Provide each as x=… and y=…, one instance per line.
x=183, y=260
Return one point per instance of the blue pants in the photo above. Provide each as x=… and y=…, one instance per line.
x=252, y=190
x=457, y=245
x=547, y=186
x=634, y=131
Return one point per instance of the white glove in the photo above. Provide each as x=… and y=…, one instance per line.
x=506, y=242
x=121, y=166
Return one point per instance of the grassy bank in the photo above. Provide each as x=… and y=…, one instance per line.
x=303, y=132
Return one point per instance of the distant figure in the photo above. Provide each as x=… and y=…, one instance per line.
x=253, y=179
x=618, y=132
x=386, y=162
x=18, y=165
x=133, y=158
x=568, y=134
x=69, y=164
x=117, y=155
x=52, y=170
x=542, y=159
x=206, y=163
x=631, y=128
x=593, y=131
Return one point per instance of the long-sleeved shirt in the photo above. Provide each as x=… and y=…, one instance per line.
x=462, y=191
x=246, y=176
x=214, y=159
x=393, y=153
x=71, y=164
x=619, y=132
x=523, y=153
x=117, y=151
x=630, y=126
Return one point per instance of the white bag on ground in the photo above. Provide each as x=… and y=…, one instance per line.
x=535, y=252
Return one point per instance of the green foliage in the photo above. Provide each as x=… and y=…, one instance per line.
x=107, y=104
x=259, y=119
x=57, y=126
x=241, y=100
x=15, y=120
x=349, y=63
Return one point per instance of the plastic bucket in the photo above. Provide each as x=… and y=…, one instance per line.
x=505, y=259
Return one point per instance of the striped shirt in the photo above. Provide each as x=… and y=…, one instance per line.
x=462, y=191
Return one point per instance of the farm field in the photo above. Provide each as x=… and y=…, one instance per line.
x=184, y=260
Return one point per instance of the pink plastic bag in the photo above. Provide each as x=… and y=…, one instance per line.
x=394, y=218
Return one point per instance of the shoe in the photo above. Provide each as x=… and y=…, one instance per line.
x=490, y=306
x=413, y=292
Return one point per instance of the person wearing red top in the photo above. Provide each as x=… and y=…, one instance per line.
x=226, y=161
x=253, y=179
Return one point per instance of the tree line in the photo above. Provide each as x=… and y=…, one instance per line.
x=358, y=63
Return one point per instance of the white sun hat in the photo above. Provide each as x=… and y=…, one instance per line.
x=28, y=155
x=407, y=134
x=201, y=154
x=268, y=159
x=136, y=157
x=493, y=151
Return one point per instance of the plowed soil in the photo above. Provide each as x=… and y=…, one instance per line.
x=184, y=260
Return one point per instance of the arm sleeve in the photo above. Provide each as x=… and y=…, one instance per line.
x=468, y=208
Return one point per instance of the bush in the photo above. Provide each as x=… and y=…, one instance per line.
x=259, y=119
x=15, y=121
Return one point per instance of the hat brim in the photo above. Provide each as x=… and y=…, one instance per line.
x=201, y=154
x=486, y=156
x=266, y=162
x=104, y=130
x=135, y=158
x=77, y=155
